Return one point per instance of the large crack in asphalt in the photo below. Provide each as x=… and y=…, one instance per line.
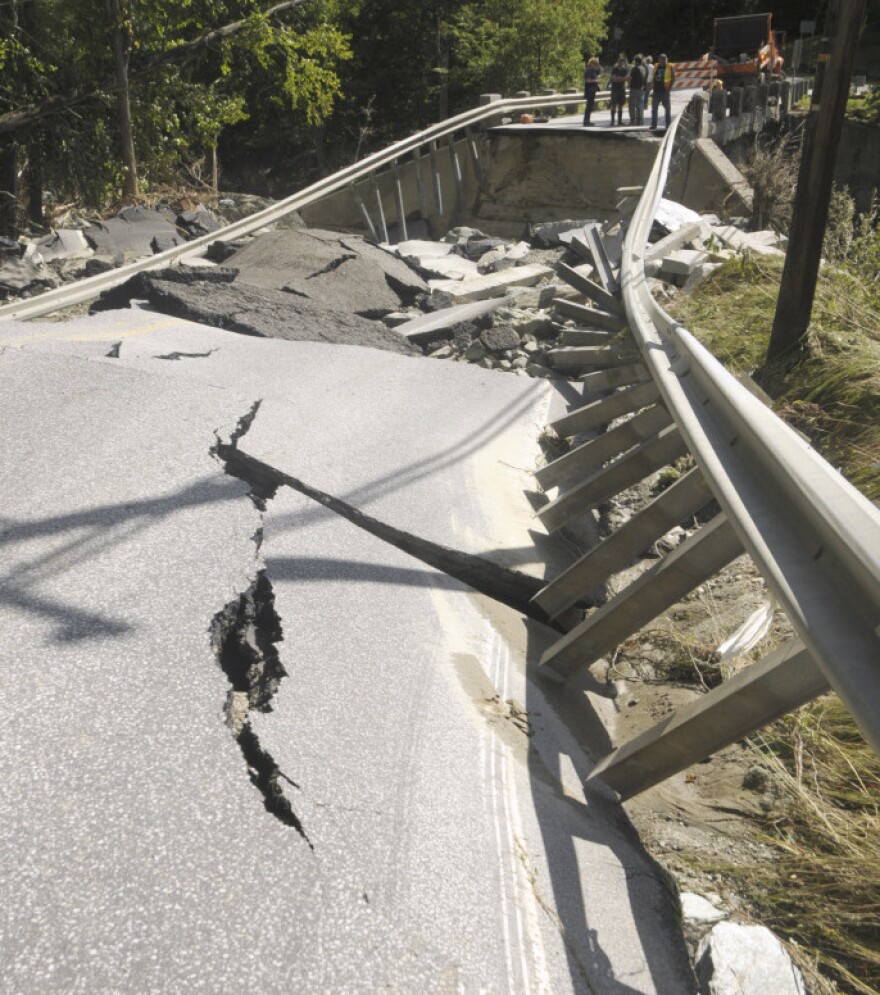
x=245, y=634
x=502, y=584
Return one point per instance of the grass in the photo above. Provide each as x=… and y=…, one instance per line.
x=823, y=891
x=830, y=391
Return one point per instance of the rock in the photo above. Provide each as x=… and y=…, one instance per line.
x=342, y=272
x=503, y=257
x=475, y=351
x=695, y=907
x=737, y=959
x=161, y=243
x=199, y=222
x=520, y=363
x=131, y=232
x=499, y=338
x=536, y=370
x=103, y=262
x=220, y=251
x=396, y=318
x=546, y=235
x=22, y=270
x=678, y=265
x=463, y=334
x=444, y=352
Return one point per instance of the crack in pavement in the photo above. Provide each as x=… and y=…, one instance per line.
x=187, y=355
x=245, y=634
x=502, y=584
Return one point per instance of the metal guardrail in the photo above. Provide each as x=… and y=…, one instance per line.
x=813, y=536
x=92, y=287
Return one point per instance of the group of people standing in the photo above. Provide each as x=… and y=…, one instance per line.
x=643, y=78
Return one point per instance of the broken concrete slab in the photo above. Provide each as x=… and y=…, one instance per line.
x=63, y=244
x=503, y=257
x=269, y=313
x=762, y=243
x=344, y=272
x=552, y=234
x=488, y=286
x=677, y=266
x=431, y=327
x=671, y=216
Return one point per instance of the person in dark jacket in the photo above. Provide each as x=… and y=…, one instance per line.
x=619, y=76
x=637, y=78
x=591, y=87
x=664, y=77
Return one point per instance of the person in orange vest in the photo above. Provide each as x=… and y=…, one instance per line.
x=664, y=77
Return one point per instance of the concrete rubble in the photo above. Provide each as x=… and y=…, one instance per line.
x=739, y=959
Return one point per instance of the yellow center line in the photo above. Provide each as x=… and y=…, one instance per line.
x=94, y=336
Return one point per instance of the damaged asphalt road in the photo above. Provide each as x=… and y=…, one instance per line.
x=247, y=742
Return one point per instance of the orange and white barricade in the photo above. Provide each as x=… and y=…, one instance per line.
x=696, y=75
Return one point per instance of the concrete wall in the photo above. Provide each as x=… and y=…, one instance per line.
x=541, y=176
x=553, y=174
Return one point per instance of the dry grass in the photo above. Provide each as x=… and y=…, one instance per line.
x=823, y=891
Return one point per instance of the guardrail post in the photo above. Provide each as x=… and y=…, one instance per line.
x=457, y=178
x=364, y=212
x=474, y=153
x=420, y=187
x=692, y=563
x=763, y=94
x=699, y=110
x=736, y=102
x=484, y=101
x=549, y=111
x=398, y=197
x=383, y=227
x=785, y=99
x=435, y=176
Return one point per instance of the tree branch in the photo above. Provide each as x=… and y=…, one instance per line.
x=13, y=120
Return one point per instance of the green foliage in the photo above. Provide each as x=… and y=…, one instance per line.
x=867, y=107
x=527, y=44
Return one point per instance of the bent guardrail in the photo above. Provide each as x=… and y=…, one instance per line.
x=813, y=536
x=389, y=157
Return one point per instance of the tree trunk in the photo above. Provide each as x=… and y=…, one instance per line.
x=120, y=38
x=8, y=183
x=794, y=307
x=443, y=66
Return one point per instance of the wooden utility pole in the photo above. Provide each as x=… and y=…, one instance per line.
x=843, y=26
